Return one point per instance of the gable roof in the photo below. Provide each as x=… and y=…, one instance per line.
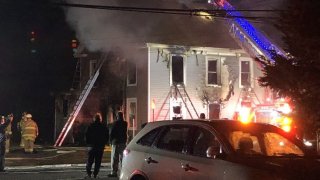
x=193, y=31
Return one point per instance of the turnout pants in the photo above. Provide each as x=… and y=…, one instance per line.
x=94, y=156
x=116, y=156
x=7, y=145
x=28, y=145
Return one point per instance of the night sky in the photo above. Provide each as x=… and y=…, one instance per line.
x=30, y=80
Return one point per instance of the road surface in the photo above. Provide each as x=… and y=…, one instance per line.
x=51, y=173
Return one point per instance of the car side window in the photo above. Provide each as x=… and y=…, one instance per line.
x=203, y=141
x=173, y=138
x=149, y=138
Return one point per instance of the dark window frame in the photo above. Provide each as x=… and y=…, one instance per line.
x=181, y=72
x=245, y=73
x=212, y=72
x=132, y=74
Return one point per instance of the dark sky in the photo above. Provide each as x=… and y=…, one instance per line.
x=27, y=79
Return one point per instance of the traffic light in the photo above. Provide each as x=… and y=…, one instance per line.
x=33, y=40
x=33, y=36
x=74, y=45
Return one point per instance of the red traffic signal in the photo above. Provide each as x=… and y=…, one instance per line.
x=74, y=43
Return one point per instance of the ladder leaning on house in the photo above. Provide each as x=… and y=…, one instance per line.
x=179, y=91
x=78, y=105
x=247, y=94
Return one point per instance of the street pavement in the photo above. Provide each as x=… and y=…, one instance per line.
x=49, y=163
x=52, y=173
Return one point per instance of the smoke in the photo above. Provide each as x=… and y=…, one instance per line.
x=104, y=30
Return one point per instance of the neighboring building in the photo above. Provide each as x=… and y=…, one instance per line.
x=95, y=102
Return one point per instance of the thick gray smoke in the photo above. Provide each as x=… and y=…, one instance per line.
x=105, y=29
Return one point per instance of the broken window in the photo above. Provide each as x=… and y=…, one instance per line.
x=245, y=73
x=177, y=70
x=212, y=72
x=132, y=74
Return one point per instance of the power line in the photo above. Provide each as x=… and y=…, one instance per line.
x=189, y=12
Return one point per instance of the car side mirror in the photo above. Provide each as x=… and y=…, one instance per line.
x=213, y=152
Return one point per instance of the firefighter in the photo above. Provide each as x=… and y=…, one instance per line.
x=29, y=133
x=8, y=133
x=20, y=126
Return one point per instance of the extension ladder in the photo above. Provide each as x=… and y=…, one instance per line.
x=77, y=107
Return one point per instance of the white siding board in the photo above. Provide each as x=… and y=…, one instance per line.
x=159, y=80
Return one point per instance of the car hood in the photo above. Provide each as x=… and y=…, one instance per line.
x=285, y=167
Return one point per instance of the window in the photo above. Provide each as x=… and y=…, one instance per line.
x=93, y=67
x=203, y=139
x=276, y=145
x=213, y=77
x=132, y=112
x=245, y=76
x=245, y=143
x=148, y=139
x=173, y=138
x=177, y=69
x=132, y=74
x=212, y=72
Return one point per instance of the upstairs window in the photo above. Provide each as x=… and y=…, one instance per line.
x=132, y=74
x=245, y=73
x=177, y=70
x=213, y=72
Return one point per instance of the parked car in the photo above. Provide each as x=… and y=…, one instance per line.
x=218, y=149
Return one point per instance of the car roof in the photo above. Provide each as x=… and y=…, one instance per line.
x=220, y=125
x=216, y=123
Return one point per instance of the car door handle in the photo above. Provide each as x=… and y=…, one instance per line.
x=187, y=167
x=150, y=160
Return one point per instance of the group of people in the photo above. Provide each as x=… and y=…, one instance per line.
x=97, y=136
x=28, y=129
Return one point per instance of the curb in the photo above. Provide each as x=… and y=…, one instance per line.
x=50, y=166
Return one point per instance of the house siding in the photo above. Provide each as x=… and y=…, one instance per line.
x=140, y=91
x=159, y=80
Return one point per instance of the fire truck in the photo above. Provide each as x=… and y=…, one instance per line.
x=277, y=114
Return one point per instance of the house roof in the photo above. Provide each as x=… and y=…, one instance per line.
x=193, y=31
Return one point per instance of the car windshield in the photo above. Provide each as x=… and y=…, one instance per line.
x=259, y=141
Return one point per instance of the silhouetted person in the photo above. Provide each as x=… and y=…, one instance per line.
x=202, y=116
x=97, y=137
x=118, y=139
x=4, y=122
